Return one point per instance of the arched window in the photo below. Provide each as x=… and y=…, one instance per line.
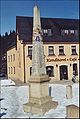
x=75, y=71
x=50, y=71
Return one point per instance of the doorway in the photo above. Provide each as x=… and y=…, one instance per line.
x=50, y=71
x=75, y=70
x=63, y=72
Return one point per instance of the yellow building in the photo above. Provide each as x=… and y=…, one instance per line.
x=61, y=48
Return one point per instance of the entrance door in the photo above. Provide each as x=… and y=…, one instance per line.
x=49, y=71
x=63, y=72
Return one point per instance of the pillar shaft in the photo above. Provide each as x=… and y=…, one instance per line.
x=38, y=59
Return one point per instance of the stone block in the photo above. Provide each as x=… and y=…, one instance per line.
x=39, y=100
x=68, y=91
x=40, y=109
x=72, y=111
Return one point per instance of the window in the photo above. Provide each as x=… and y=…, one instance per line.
x=75, y=71
x=76, y=32
x=73, y=48
x=45, y=31
x=19, y=64
x=14, y=70
x=11, y=70
x=66, y=32
x=51, y=50
x=61, y=50
x=49, y=32
x=72, y=31
x=13, y=57
x=62, y=32
x=50, y=71
x=8, y=58
x=30, y=70
x=29, y=50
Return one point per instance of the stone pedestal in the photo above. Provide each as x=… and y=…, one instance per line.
x=39, y=99
x=72, y=111
x=68, y=91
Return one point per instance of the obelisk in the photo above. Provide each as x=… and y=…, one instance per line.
x=38, y=61
x=39, y=99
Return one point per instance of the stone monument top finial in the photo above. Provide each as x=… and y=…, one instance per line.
x=36, y=18
x=36, y=3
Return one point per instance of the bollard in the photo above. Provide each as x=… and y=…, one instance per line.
x=49, y=91
x=69, y=92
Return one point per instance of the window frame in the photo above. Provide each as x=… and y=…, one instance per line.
x=61, y=51
x=8, y=70
x=47, y=32
x=11, y=70
x=52, y=69
x=13, y=57
x=72, y=31
x=49, y=50
x=14, y=70
x=73, y=50
x=30, y=71
x=30, y=50
x=76, y=32
x=66, y=31
x=75, y=69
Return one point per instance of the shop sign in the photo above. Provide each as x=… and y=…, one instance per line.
x=61, y=59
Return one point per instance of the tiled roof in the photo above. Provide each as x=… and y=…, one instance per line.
x=24, y=27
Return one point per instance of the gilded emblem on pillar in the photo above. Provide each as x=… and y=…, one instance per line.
x=37, y=35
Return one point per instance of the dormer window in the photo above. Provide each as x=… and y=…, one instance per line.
x=73, y=48
x=51, y=50
x=76, y=32
x=72, y=31
x=69, y=32
x=66, y=32
x=47, y=32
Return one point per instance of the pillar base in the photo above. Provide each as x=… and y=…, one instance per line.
x=39, y=109
x=39, y=100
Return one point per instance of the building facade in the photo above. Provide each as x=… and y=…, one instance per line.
x=61, y=49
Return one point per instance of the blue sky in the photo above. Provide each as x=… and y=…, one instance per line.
x=49, y=8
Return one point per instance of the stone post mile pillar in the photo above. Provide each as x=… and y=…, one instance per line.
x=39, y=99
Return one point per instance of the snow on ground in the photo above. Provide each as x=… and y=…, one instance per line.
x=7, y=82
x=14, y=97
